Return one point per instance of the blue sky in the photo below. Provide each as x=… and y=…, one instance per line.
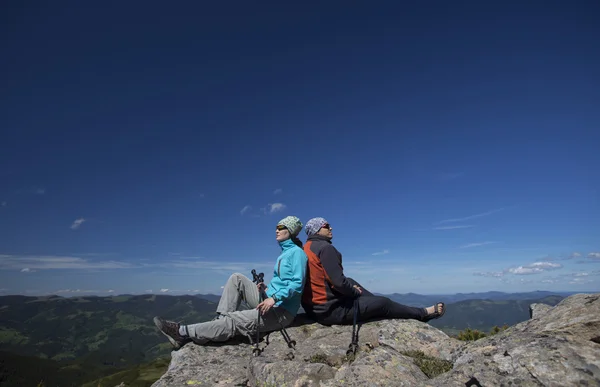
x=453, y=147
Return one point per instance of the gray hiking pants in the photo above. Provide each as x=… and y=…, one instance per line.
x=236, y=318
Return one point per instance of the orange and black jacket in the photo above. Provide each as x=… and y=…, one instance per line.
x=326, y=287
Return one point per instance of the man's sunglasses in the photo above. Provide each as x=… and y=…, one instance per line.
x=327, y=226
x=281, y=227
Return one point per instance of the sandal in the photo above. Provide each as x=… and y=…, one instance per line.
x=436, y=312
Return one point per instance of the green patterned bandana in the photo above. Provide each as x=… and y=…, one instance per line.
x=292, y=223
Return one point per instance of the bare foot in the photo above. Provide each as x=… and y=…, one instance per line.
x=431, y=309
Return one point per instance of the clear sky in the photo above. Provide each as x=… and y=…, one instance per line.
x=146, y=146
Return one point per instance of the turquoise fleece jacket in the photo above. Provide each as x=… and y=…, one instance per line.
x=289, y=277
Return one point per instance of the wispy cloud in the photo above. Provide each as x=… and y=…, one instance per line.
x=386, y=251
x=276, y=207
x=453, y=227
x=468, y=246
x=61, y=291
x=470, y=217
x=278, y=191
x=580, y=281
x=594, y=255
x=27, y=270
x=245, y=210
x=224, y=266
x=32, y=191
x=574, y=255
x=48, y=262
x=4, y=204
x=164, y=290
x=77, y=223
x=495, y=274
x=534, y=268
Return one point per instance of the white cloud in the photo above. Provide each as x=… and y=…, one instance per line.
x=77, y=223
x=580, y=281
x=45, y=262
x=110, y=291
x=534, y=268
x=574, y=255
x=164, y=290
x=549, y=281
x=470, y=217
x=148, y=291
x=594, y=255
x=386, y=251
x=245, y=209
x=452, y=227
x=276, y=207
x=476, y=244
x=496, y=274
x=27, y=270
x=278, y=191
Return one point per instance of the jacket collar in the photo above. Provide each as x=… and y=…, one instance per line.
x=317, y=237
x=287, y=244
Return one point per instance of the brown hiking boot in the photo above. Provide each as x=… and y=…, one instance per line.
x=171, y=330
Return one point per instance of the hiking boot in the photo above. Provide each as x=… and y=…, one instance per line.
x=171, y=330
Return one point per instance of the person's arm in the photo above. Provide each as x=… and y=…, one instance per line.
x=335, y=272
x=292, y=273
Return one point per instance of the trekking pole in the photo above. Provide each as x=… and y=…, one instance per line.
x=259, y=279
x=257, y=351
x=353, y=347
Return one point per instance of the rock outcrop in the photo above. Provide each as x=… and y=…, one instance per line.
x=558, y=346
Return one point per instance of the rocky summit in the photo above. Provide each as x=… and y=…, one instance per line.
x=557, y=346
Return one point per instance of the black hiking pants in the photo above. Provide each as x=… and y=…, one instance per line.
x=370, y=307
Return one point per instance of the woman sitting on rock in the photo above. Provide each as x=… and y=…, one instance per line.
x=284, y=294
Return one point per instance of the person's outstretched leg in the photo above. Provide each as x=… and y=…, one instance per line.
x=371, y=307
x=225, y=328
x=237, y=289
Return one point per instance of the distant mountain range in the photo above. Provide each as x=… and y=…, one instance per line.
x=413, y=299
x=89, y=337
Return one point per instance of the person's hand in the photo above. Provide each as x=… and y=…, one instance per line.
x=264, y=306
x=358, y=288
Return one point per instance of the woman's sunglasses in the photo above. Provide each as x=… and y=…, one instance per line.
x=281, y=227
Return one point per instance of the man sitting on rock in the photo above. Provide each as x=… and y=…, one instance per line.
x=278, y=310
x=329, y=295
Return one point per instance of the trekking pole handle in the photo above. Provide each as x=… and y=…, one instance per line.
x=258, y=278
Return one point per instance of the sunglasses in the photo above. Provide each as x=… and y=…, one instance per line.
x=281, y=227
x=327, y=226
